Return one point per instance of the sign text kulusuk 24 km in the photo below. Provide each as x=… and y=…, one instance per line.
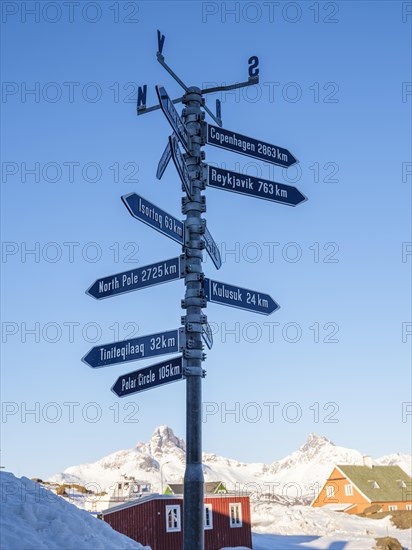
x=241, y=298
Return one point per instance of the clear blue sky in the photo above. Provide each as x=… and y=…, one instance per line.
x=334, y=91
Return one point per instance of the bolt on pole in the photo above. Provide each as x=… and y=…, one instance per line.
x=194, y=301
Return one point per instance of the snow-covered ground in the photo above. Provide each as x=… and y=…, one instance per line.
x=279, y=527
x=32, y=518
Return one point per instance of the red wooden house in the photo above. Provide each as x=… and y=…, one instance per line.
x=157, y=521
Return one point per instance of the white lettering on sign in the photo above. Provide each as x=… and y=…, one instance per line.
x=124, y=352
x=109, y=285
x=237, y=182
x=151, y=213
x=231, y=140
x=150, y=377
x=223, y=292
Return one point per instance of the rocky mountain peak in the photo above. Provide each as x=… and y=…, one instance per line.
x=163, y=440
x=315, y=443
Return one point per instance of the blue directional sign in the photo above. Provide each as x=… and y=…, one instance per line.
x=149, y=377
x=154, y=216
x=180, y=164
x=212, y=249
x=164, y=161
x=135, y=279
x=207, y=335
x=241, y=298
x=254, y=187
x=135, y=349
x=219, y=137
x=173, y=117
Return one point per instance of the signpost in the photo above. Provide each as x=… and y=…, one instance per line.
x=212, y=249
x=149, y=377
x=192, y=234
x=207, y=335
x=154, y=216
x=173, y=117
x=238, y=143
x=180, y=165
x=254, y=187
x=241, y=298
x=163, y=162
x=167, y=224
x=136, y=279
x=135, y=349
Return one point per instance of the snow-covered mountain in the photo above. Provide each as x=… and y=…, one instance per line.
x=295, y=478
x=397, y=459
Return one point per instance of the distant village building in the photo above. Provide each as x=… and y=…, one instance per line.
x=128, y=488
x=157, y=520
x=353, y=489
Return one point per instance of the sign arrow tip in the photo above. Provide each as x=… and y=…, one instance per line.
x=304, y=198
x=85, y=361
x=89, y=293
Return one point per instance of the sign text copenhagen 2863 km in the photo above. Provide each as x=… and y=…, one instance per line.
x=219, y=137
x=193, y=234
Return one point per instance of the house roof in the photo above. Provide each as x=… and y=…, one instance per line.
x=387, y=478
x=157, y=496
x=210, y=487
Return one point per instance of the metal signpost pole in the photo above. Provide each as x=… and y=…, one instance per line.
x=192, y=207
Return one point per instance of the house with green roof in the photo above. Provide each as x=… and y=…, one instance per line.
x=210, y=488
x=353, y=489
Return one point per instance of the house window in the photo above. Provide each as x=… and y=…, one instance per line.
x=208, y=518
x=409, y=506
x=172, y=518
x=348, y=490
x=392, y=508
x=374, y=484
x=330, y=491
x=235, y=515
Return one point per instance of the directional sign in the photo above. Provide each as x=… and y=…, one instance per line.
x=163, y=162
x=154, y=216
x=180, y=165
x=254, y=187
x=236, y=296
x=249, y=146
x=207, y=335
x=212, y=249
x=134, y=349
x=173, y=117
x=135, y=279
x=149, y=377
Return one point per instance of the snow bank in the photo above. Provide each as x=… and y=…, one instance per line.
x=33, y=518
x=278, y=527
